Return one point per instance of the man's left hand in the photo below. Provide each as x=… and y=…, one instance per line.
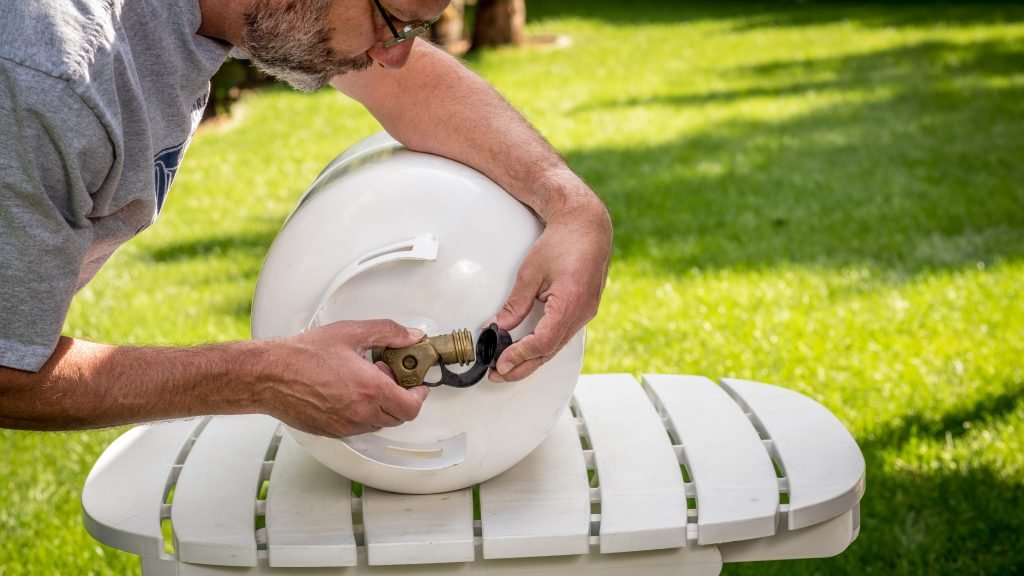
x=566, y=271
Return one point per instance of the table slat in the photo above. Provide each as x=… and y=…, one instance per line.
x=821, y=461
x=737, y=489
x=309, y=512
x=823, y=540
x=643, y=500
x=541, y=506
x=418, y=528
x=214, y=509
x=123, y=494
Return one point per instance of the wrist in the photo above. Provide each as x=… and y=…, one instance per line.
x=257, y=375
x=580, y=208
x=564, y=195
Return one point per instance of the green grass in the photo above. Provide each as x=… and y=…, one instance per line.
x=826, y=197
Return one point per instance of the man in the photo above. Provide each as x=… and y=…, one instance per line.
x=98, y=95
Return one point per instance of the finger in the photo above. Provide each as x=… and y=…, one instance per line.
x=386, y=370
x=525, y=369
x=520, y=301
x=403, y=403
x=525, y=350
x=386, y=334
x=387, y=420
x=352, y=430
x=547, y=338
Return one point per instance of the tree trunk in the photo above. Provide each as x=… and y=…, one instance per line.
x=499, y=23
x=447, y=32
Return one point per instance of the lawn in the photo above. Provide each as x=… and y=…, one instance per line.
x=829, y=197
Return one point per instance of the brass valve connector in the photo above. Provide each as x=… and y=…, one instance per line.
x=410, y=364
x=455, y=347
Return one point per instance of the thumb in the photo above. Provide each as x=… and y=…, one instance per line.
x=387, y=334
x=519, y=303
x=403, y=403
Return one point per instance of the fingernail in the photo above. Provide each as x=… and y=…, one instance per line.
x=493, y=376
x=415, y=333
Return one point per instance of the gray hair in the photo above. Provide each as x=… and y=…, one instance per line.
x=291, y=41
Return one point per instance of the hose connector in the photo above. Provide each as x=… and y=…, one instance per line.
x=410, y=364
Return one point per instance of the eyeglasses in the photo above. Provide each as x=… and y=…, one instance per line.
x=408, y=32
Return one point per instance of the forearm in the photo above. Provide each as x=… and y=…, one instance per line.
x=88, y=385
x=463, y=118
x=434, y=104
x=318, y=381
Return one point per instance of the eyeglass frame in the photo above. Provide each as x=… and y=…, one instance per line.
x=409, y=32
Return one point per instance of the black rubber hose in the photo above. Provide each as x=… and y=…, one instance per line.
x=489, y=346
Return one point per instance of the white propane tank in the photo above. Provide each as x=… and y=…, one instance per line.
x=385, y=232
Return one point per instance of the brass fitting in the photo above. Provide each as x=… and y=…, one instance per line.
x=455, y=347
x=410, y=364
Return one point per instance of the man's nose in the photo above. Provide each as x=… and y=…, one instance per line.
x=394, y=57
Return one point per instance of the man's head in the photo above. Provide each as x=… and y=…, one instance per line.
x=307, y=42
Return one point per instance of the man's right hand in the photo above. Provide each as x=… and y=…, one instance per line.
x=318, y=381
x=321, y=382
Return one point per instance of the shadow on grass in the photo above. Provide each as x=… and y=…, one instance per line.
x=750, y=16
x=928, y=64
x=245, y=251
x=976, y=530
x=951, y=425
x=912, y=163
x=249, y=245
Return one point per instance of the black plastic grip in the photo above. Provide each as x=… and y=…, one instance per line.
x=489, y=346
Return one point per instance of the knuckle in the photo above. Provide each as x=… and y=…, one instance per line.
x=365, y=394
x=530, y=267
x=398, y=411
x=510, y=307
x=404, y=409
x=519, y=302
x=413, y=413
x=527, y=349
x=525, y=369
x=412, y=410
x=545, y=341
x=574, y=295
x=381, y=325
x=517, y=353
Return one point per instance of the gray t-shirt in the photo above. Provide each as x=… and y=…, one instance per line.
x=98, y=101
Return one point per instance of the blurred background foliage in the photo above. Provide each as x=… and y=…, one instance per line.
x=825, y=196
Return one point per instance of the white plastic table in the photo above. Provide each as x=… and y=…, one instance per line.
x=674, y=476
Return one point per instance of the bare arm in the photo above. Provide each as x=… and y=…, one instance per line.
x=434, y=104
x=317, y=381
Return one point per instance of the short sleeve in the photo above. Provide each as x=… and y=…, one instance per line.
x=49, y=142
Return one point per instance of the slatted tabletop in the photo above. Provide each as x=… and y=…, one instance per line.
x=679, y=468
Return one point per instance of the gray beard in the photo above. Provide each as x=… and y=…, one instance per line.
x=291, y=42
